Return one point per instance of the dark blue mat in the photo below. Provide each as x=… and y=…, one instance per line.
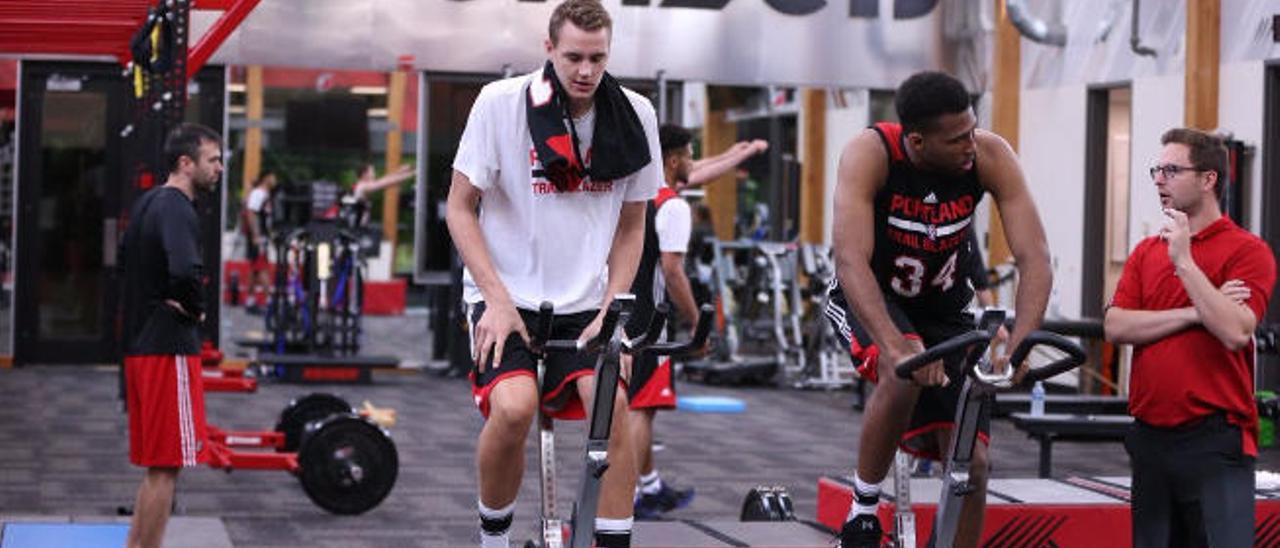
x=64, y=535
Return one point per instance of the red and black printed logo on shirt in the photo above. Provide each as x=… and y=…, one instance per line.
x=579, y=180
x=927, y=224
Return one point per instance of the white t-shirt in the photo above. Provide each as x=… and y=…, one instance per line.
x=258, y=198
x=674, y=225
x=545, y=245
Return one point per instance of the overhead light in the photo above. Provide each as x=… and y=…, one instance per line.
x=369, y=90
x=235, y=109
x=235, y=88
x=377, y=113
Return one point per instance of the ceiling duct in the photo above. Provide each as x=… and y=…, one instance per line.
x=1135, y=41
x=1037, y=30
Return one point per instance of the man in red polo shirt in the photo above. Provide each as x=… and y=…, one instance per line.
x=1189, y=300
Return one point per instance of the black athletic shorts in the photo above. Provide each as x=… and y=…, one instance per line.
x=652, y=384
x=559, y=397
x=936, y=407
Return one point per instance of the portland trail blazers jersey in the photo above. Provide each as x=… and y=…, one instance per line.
x=922, y=227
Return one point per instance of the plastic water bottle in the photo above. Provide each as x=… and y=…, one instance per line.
x=1037, y=399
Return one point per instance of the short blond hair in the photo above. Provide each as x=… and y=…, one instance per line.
x=588, y=15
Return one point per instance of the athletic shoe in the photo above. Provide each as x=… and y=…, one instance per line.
x=650, y=507
x=863, y=531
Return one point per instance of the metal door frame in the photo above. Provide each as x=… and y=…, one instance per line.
x=27, y=345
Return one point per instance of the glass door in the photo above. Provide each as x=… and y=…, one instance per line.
x=68, y=201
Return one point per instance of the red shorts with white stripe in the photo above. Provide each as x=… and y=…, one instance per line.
x=653, y=383
x=165, y=397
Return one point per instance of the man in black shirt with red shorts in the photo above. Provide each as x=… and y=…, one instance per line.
x=904, y=205
x=163, y=308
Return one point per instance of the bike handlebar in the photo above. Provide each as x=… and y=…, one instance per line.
x=706, y=316
x=944, y=349
x=653, y=332
x=1075, y=354
x=540, y=340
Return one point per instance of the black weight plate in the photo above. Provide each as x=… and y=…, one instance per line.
x=347, y=464
x=312, y=407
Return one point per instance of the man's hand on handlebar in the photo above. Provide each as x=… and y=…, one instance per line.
x=496, y=324
x=1000, y=352
x=701, y=350
x=933, y=374
x=1001, y=362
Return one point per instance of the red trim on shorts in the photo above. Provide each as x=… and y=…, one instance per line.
x=930, y=428
x=480, y=394
x=869, y=357
x=573, y=409
x=657, y=392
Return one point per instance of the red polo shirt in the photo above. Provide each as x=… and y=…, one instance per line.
x=1191, y=374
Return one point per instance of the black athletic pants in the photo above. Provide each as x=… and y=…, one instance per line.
x=1192, y=486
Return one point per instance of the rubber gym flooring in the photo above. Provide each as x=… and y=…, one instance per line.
x=63, y=452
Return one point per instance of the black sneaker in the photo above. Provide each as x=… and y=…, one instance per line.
x=649, y=507
x=863, y=531
x=674, y=499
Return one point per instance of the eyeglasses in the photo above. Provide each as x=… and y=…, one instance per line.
x=1171, y=170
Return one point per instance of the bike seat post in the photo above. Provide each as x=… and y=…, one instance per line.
x=551, y=532
x=959, y=457
x=607, y=375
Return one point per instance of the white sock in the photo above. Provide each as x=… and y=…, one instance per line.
x=651, y=484
x=492, y=541
x=869, y=493
x=498, y=539
x=495, y=541
x=607, y=525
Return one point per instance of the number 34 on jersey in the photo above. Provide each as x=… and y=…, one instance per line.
x=909, y=279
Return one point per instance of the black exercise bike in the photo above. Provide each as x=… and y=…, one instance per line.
x=611, y=343
x=979, y=384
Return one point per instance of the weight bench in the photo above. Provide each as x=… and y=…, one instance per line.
x=267, y=345
x=314, y=368
x=1052, y=427
x=1008, y=403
